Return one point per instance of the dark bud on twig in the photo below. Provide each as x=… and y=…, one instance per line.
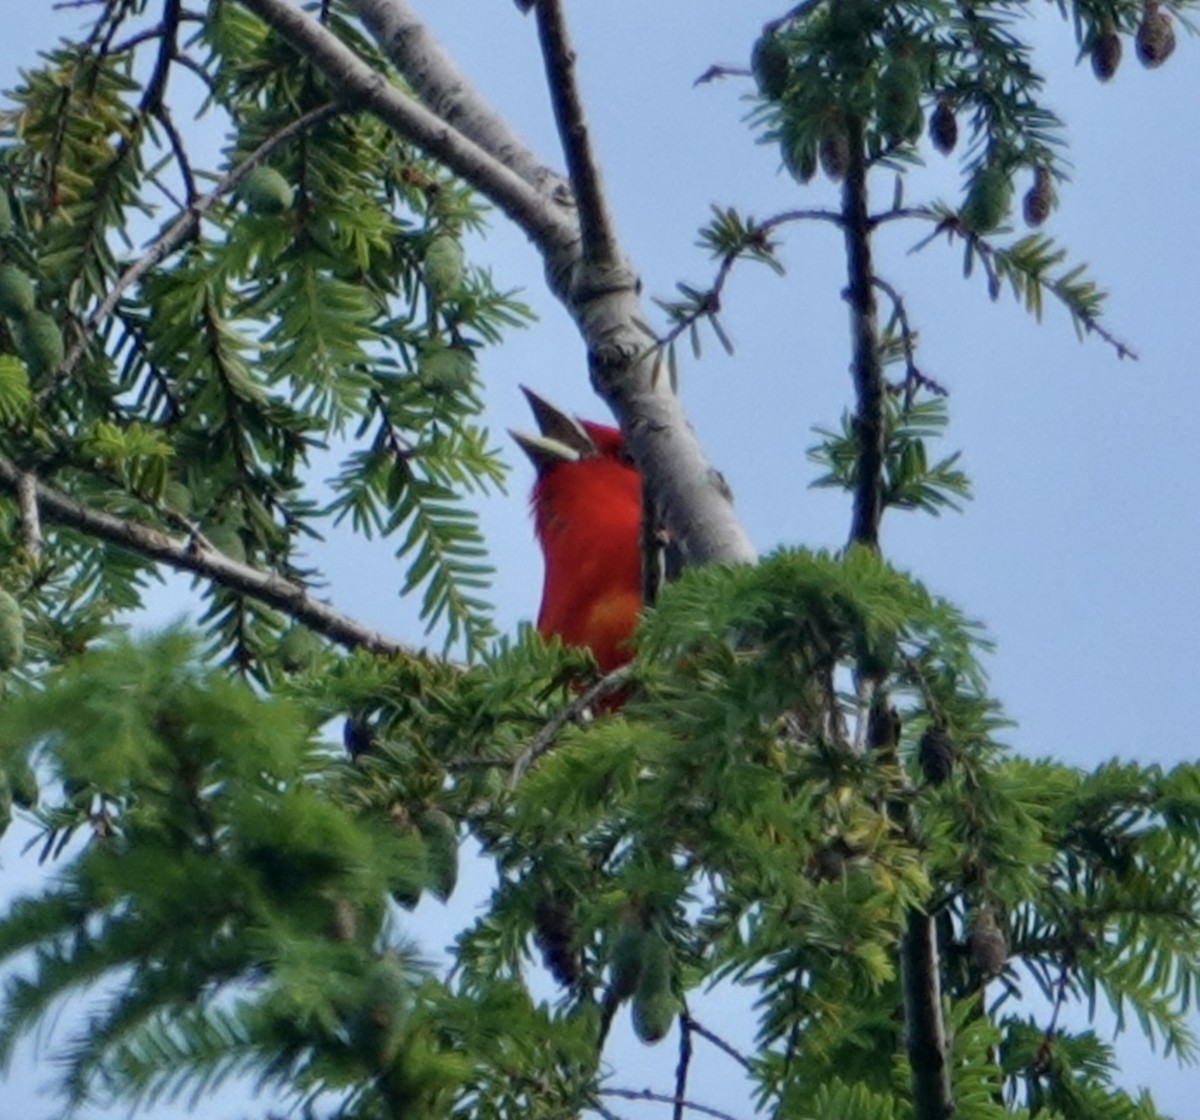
x=1155, y=40
x=1039, y=198
x=943, y=127
x=989, y=949
x=554, y=934
x=771, y=66
x=883, y=728
x=1106, y=54
x=935, y=753
x=358, y=736
x=834, y=149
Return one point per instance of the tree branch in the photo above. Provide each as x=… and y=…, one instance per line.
x=365, y=88
x=948, y=223
x=920, y=965
x=925, y=1032
x=27, y=505
x=195, y=555
x=444, y=88
x=681, y=1070
x=865, y=367
x=600, y=246
x=621, y=346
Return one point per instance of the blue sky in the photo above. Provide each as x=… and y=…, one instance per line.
x=1080, y=550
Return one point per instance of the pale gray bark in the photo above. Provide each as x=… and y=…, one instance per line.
x=445, y=90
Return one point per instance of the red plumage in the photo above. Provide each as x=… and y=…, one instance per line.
x=587, y=509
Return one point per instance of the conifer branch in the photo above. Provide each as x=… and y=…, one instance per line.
x=732, y=239
x=197, y=556
x=1081, y=299
x=184, y=227
x=544, y=740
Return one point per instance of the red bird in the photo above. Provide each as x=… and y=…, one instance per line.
x=587, y=513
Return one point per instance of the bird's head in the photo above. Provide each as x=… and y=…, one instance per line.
x=586, y=485
x=565, y=439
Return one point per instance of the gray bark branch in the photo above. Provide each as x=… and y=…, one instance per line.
x=447, y=92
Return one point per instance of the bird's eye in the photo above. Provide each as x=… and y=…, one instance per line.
x=623, y=456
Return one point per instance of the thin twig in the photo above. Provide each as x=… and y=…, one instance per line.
x=914, y=379
x=606, y=1113
x=710, y=1036
x=710, y=301
x=664, y=1098
x=950, y=226
x=717, y=71
x=164, y=118
x=1041, y=1060
x=681, y=1070
x=543, y=741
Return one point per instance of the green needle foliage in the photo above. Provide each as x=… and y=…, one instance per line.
x=225, y=355
x=278, y=335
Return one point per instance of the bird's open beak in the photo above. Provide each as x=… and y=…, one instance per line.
x=563, y=439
